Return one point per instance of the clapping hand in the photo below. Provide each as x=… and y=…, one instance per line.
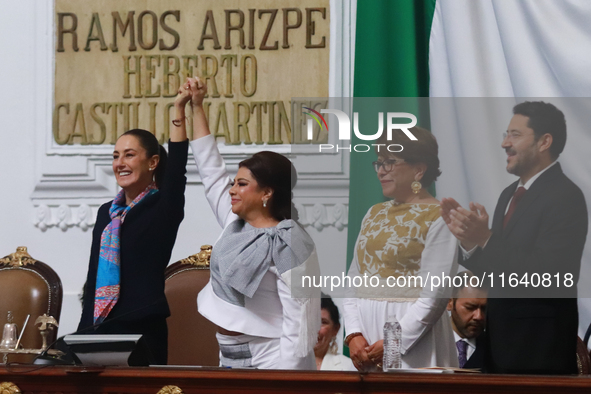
x=470, y=227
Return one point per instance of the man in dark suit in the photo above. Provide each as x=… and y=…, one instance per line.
x=538, y=232
x=467, y=308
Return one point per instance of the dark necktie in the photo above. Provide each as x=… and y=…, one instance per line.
x=462, y=347
x=516, y=198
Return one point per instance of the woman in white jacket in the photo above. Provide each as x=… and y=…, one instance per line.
x=261, y=251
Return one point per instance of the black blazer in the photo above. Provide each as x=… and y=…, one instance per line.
x=147, y=235
x=534, y=330
x=477, y=358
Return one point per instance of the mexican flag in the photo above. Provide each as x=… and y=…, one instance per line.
x=512, y=49
x=391, y=60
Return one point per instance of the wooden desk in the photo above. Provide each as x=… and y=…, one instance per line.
x=32, y=380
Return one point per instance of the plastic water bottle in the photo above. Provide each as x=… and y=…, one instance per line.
x=392, y=343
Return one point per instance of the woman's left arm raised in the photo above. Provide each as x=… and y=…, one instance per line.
x=178, y=133
x=172, y=187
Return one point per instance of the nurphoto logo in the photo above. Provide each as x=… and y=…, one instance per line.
x=344, y=124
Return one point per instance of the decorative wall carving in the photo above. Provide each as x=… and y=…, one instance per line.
x=64, y=216
x=320, y=216
x=83, y=216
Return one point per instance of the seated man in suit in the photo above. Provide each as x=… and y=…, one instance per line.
x=467, y=308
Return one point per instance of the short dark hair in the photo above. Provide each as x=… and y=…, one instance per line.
x=455, y=290
x=545, y=118
x=423, y=150
x=276, y=172
x=327, y=303
x=149, y=142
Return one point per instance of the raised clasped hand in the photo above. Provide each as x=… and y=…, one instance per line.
x=183, y=95
x=198, y=91
x=470, y=227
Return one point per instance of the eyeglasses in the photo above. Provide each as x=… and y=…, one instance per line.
x=512, y=135
x=388, y=164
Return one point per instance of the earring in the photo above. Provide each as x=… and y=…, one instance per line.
x=333, y=348
x=416, y=187
x=151, y=169
x=265, y=203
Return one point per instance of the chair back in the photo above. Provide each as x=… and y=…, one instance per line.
x=583, y=360
x=29, y=287
x=191, y=337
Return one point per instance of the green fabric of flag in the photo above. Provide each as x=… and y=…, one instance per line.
x=391, y=60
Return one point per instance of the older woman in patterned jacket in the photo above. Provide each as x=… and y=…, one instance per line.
x=401, y=239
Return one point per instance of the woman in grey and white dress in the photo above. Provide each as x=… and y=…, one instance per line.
x=260, y=252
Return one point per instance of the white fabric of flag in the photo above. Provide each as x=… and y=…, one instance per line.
x=536, y=49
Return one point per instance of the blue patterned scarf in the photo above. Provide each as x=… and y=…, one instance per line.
x=108, y=274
